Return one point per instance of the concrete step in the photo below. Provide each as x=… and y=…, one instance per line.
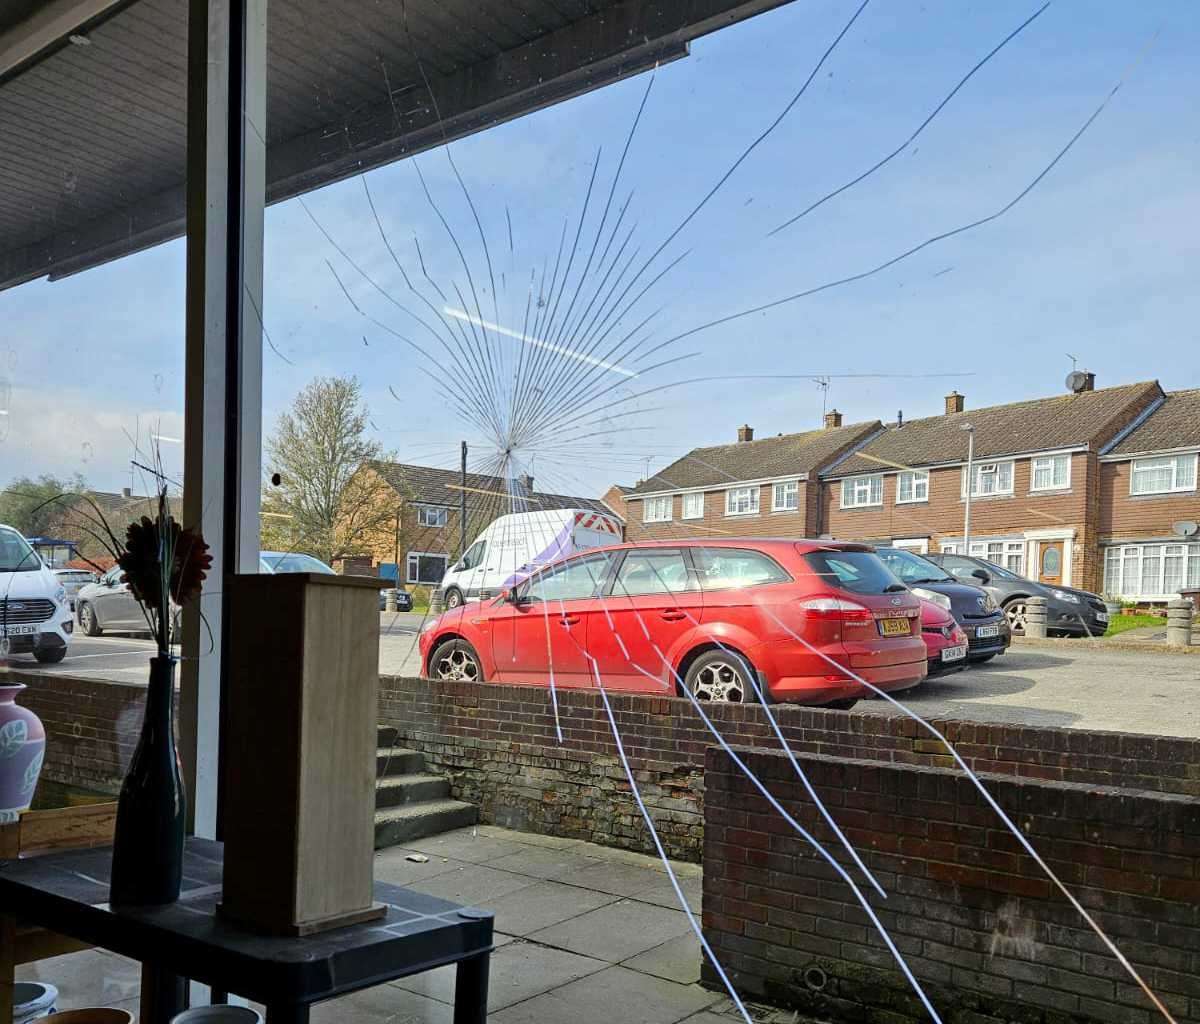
x=396, y=790
x=385, y=735
x=398, y=825
x=398, y=761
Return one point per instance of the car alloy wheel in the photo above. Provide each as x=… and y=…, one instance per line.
x=456, y=661
x=1016, y=612
x=720, y=681
x=453, y=599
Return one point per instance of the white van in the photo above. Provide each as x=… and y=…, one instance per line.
x=35, y=615
x=518, y=544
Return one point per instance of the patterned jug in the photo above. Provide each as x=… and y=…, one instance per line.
x=22, y=747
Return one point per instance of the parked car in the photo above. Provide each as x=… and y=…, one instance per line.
x=108, y=606
x=708, y=615
x=982, y=620
x=272, y=562
x=35, y=616
x=72, y=580
x=1069, y=612
x=945, y=642
x=404, y=601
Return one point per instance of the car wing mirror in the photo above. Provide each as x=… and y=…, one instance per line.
x=982, y=575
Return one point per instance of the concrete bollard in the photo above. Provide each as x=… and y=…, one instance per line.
x=389, y=600
x=1179, y=622
x=1035, y=617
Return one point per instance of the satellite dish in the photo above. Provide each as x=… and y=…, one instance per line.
x=1076, y=381
x=1184, y=528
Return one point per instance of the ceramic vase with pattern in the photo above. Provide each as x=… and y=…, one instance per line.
x=22, y=747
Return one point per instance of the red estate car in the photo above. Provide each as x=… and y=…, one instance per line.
x=702, y=613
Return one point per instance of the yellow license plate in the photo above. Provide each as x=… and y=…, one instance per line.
x=894, y=627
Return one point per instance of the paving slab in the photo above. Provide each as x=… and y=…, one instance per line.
x=533, y=838
x=384, y=1004
x=92, y=977
x=519, y=971
x=616, y=932
x=615, y=994
x=473, y=884
x=544, y=904
x=393, y=866
x=464, y=844
x=663, y=894
x=677, y=960
x=542, y=862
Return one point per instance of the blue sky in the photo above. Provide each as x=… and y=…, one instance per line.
x=1098, y=261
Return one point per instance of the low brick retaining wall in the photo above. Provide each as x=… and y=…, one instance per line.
x=979, y=924
x=498, y=745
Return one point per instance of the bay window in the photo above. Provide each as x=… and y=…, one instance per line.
x=862, y=491
x=1151, y=572
x=1163, y=475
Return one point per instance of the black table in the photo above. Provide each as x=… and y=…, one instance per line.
x=68, y=893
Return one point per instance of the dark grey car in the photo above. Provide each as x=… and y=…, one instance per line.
x=1069, y=612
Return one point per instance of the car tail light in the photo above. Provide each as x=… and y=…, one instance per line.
x=837, y=609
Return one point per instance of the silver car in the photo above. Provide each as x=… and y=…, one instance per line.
x=73, y=580
x=108, y=606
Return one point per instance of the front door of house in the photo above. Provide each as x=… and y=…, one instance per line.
x=1050, y=564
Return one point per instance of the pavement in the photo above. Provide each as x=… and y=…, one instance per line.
x=584, y=934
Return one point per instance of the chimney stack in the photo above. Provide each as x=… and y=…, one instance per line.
x=899, y=418
x=526, y=482
x=1089, y=381
x=954, y=402
x=833, y=418
x=745, y=433
x=126, y=492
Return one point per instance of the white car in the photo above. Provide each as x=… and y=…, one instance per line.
x=35, y=615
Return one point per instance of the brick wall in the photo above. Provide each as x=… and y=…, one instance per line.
x=717, y=525
x=978, y=923
x=91, y=726
x=1139, y=517
x=497, y=743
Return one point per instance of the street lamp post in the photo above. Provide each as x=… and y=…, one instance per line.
x=970, y=429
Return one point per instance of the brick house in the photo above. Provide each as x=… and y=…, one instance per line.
x=614, y=500
x=763, y=488
x=424, y=536
x=1036, y=492
x=1150, y=504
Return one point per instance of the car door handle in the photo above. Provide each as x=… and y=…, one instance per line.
x=673, y=616
x=569, y=620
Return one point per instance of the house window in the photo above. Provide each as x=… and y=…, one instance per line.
x=990, y=478
x=912, y=485
x=786, y=497
x=657, y=510
x=432, y=515
x=1051, y=473
x=860, y=491
x=741, y=501
x=425, y=567
x=1163, y=475
x=693, y=506
x=1151, y=572
x=1010, y=554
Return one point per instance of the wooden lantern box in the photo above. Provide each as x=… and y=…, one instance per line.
x=300, y=732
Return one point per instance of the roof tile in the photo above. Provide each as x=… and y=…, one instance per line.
x=1174, y=424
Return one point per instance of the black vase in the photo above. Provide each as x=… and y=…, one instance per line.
x=147, y=862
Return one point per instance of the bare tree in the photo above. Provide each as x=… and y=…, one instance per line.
x=322, y=505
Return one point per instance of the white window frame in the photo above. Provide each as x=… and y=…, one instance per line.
x=990, y=467
x=857, y=491
x=733, y=501
x=1050, y=462
x=918, y=486
x=412, y=562
x=1132, y=557
x=786, y=488
x=693, y=513
x=439, y=513
x=658, y=510
x=1177, y=462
